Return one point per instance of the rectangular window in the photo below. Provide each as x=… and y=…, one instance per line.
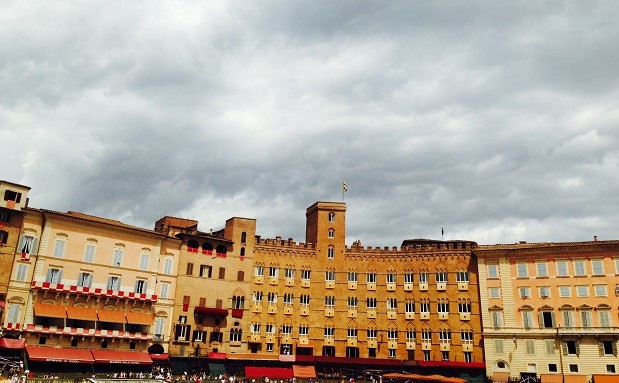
x=288, y=299
x=352, y=333
x=571, y=347
x=600, y=290
x=189, y=269
x=585, y=318
x=550, y=346
x=582, y=291
x=305, y=274
x=426, y=336
x=579, y=268
x=573, y=367
x=330, y=252
x=525, y=292
x=140, y=286
x=568, y=318
x=529, y=346
x=494, y=292
x=409, y=277
x=527, y=319
x=257, y=297
x=424, y=306
x=84, y=279
x=22, y=270
x=352, y=303
x=391, y=278
x=498, y=346
x=89, y=252
x=329, y=301
x=392, y=304
x=167, y=266
x=410, y=336
x=205, y=271
x=561, y=268
x=371, y=277
x=273, y=272
x=597, y=267
x=54, y=275
x=144, y=261
x=497, y=318
x=222, y=273
x=544, y=291
x=352, y=276
x=259, y=271
x=371, y=332
x=409, y=306
x=329, y=276
x=113, y=283
x=542, y=269
x=270, y=329
x=604, y=317
x=13, y=313
x=493, y=270
x=286, y=330
x=59, y=246
x=303, y=330
x=423, y=277
x=12, y=195
x=523, y=270
x=441, y=277
x=289, y=274
x=255, y=328
x=165, y=290
x=565, y=291
x=329, y=332
x=118, y=257
x=392, y=335
x=371, y=303
x=462, y=276
x=608, y=347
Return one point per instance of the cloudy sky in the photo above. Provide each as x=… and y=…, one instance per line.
x=497, y=120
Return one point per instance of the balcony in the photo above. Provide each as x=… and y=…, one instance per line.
x=582, y=331
x=392, y=344
x=92, y=291
x=411, y=345
x=352, y=285
x=305, y=283
x=259, y=279
x=304, y=310
x=273, y=281
x=409, y=315
x=445, y=346
x=288, y=310
x=289, y=282
x=423, y=286
x=463, y=286
x=352, y=342
x=372, y=343
x=443, y=316
x=424, y=315
x=392, y=314
x=391, y=286
x=371, y=286
x=408, y=287
x=467, y=347
x=441, y=286
x=426, y=345
x=352, y=313
x=371, y=313
x=272, y=308
x=330, y=284
x=329, y=312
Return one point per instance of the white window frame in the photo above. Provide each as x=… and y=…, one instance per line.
x=168, y=263
x=582, y=291
x=494, y=292
x=580, y=269
x=493, y=270
x=144, y=261
x=522, y=269
x=565, y=291
x=117, y=259
x=597, y=267
x=541, y=269
x=84, y=279
x=21, y=272
x=562, y=268
x=113, y=283
x=165, y=290
x=600, y=290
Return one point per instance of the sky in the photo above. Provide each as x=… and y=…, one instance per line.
x=495, y=120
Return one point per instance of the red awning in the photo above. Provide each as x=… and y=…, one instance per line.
x=211, y=311
x=217, y=355
x=441, y=363
x=270, y=372
x=237, y=313
x=159, y=357
x=18, y=344
x=62, y=355
x=121, y=357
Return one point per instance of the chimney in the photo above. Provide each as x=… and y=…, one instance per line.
x=595, y=238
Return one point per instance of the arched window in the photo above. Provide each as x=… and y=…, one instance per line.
x=242, y=252
x=221, y=250
x=192, y=246
x=243, y=237
x=331, y=233
x=207, y=248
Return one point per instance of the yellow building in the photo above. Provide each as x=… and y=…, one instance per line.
x=325, y=303
x=15, y=198
x=549, y=309
x=212, y=287
x=89, y=283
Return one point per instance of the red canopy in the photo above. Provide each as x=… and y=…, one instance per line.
x=270, y=372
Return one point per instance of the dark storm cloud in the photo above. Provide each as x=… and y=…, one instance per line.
x=494, y=120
